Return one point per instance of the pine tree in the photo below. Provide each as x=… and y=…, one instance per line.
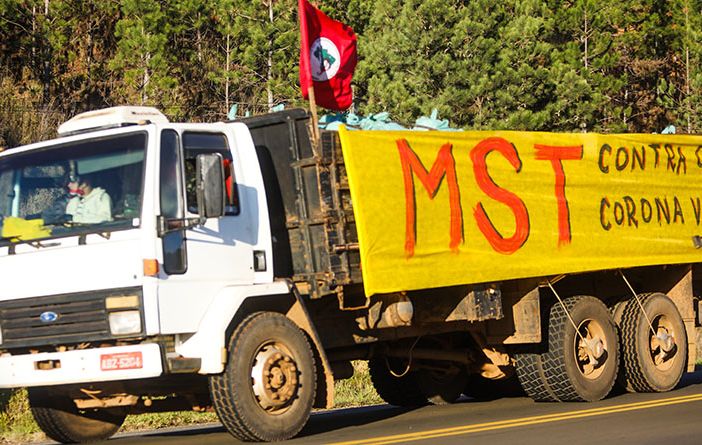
x=584, y=66
x=680, y=94
x=693, y=65
x=258, y=47
x=192, y=42
x=415, y=67
x=82, y=44
x=524, y=91
x=643, y=45
x=469, y=94
x=142, y=65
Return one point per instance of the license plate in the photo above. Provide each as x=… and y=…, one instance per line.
x=124, y=360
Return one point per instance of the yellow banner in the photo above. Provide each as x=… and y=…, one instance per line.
x=437, y=209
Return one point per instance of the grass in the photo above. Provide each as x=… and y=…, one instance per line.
x=358, y=390
x=17, y=424
x=153, y=421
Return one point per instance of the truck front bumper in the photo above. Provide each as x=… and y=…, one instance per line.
x=80, y=366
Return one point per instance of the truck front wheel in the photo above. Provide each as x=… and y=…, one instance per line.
x=268, y=386
x=61, y=420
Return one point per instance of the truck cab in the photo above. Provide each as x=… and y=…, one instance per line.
x=97, y=304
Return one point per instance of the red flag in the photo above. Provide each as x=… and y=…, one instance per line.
x=327, y=58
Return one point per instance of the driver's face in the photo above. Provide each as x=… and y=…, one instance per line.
x=85, y=188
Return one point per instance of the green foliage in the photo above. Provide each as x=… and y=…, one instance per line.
x=23, y=119
x=16, y=422
x=405, y=71
x=142, y=57
x=154, y=421
x=358, y=390
x=576, y=65
x=585, y=67
x=523, y=85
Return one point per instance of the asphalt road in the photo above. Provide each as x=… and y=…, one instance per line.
x=673, y=418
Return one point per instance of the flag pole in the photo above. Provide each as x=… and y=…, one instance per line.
x=305, y=57
x=315, y=120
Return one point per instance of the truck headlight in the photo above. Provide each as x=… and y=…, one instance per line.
x=125, y=322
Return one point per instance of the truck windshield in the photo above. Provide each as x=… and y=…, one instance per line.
x=86, y=186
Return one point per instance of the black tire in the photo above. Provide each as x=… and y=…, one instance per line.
x=617, y=312
x=532, y=377
x=277, y=405
x=398, y=391
x=563, y=372
x=61, y=421
x=442, y=388
x=559, y=373
x=645, y=369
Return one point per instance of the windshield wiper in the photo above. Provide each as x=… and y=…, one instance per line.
x=65, y=229
x=36, y=244
x=40, y=245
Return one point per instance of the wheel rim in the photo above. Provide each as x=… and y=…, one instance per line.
x=590, y=349
x=274, y=377
x=663, y=327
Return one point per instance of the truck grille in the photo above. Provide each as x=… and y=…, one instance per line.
x=58, y=319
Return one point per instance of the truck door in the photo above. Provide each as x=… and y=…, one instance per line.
x=200, y=261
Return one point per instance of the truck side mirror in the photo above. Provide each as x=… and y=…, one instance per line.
x=210, y=185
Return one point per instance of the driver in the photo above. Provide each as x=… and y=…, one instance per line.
x=89, y=205
x=56, y=213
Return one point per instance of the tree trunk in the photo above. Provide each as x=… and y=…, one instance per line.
x=688, y=110
x=46, y=60
x=199, y=40
x=226, y=74
x=269, y=76
x=585, y=57
x=146, y=76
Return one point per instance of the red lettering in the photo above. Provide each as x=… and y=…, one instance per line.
x=479, y=155
x=557, y=154
x=444, y=165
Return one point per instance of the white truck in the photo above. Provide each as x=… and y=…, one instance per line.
x=228, y=275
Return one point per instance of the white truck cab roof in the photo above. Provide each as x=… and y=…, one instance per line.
x=111, y=118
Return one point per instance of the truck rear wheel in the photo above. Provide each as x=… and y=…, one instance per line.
x=268, y=386
x=532, y=377
x=578, y=365
x=652, y=363
x=59, y=418
x=399, y=391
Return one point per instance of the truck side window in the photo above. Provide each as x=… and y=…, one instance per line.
x=200, y=143
x=174, y=246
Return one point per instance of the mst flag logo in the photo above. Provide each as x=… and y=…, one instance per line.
x=327, y=58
